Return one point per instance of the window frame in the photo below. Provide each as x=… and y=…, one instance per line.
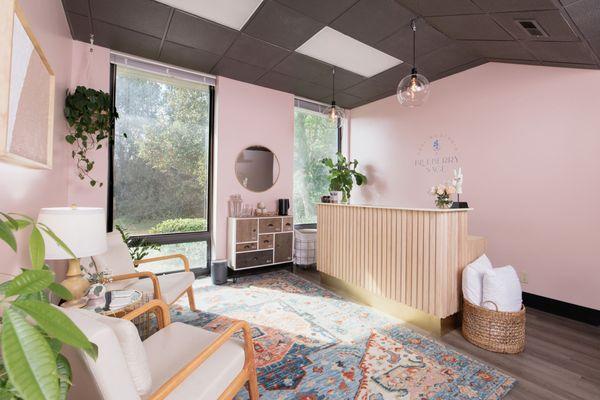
x=340, y=138
x=175, y=237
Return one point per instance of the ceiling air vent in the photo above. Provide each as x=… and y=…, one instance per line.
x=532, y=27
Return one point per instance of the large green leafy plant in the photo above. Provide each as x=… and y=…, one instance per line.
x=138, y=249
x=343, y=174
x=33, y=331
x=89, y=114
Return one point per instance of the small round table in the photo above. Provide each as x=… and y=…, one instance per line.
x=138, y=299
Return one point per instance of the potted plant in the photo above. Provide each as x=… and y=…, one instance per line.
x=90, y=117
x=33, y=330
x=342, y=176
x=442, y=194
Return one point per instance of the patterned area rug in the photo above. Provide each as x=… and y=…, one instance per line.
x=311, y=344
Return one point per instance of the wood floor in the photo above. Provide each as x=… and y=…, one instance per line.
x=561, y=358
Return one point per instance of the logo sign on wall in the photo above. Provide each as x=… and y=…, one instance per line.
x=437, y=155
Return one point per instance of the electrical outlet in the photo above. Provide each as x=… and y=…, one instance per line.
x=523, y=277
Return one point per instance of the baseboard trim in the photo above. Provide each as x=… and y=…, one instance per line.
x=557, y=307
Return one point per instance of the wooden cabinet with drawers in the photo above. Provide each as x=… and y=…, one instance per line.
x=259, y=241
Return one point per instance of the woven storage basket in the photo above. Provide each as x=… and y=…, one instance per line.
x=498, y=331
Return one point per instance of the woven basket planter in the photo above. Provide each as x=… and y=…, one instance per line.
x=497, y=331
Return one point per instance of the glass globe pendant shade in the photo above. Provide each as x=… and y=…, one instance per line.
x=334, y=112
x=413, y=90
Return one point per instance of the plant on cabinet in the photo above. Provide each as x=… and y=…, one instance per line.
x=343, y=175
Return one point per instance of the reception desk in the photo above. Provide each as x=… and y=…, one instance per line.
x=405, y=261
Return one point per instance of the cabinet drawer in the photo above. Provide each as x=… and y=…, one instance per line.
x=246, y=230
x=270, y=225
x=284, y=246
x=288, y=224
x=245, y=246
x=265, y=241
x=252, y=259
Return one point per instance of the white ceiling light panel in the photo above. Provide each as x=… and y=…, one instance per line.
x=335, y=48
x=231, y=13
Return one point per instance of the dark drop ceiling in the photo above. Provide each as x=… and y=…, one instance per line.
x=452, y=36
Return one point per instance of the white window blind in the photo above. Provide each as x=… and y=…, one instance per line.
x=160, y=68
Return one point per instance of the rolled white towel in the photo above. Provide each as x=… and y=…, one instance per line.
x=472, y=279
x=501, y=286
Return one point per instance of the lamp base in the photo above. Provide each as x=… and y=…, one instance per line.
x=75, y=282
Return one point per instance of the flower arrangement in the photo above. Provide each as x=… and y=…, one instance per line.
x=443, y=193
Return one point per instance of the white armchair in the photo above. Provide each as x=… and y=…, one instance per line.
x=178, y=362
x=168, y=287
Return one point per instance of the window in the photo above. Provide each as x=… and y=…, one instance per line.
x=161, y=163
x=316, y=137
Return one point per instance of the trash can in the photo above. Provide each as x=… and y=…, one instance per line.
x=305, y=247
x=218, y=272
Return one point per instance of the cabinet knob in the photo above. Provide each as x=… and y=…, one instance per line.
x=269, y=224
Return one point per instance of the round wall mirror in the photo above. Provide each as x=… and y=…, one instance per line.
x=257, y=168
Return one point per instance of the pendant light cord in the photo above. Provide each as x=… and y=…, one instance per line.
x=333, y=81
x=414, y=29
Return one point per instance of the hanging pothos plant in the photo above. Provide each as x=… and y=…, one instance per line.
x=89, y=113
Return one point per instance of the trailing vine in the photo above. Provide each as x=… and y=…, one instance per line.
x=89, y=114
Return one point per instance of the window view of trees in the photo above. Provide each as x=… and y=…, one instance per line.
x=315, y=138
x=161, y=156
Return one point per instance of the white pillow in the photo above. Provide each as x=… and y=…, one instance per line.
x=472, y=279
x=501, y=287
x=133, y=350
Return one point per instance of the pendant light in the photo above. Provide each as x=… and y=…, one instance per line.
x=413, y=89
x=334, y=112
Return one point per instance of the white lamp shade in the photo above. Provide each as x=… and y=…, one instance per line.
x=82, y=229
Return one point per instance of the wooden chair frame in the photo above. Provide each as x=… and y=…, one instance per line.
x=247, y=374
x=155, y=282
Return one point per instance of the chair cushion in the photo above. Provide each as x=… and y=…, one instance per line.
x=133, y=350
x=472, y=279
x=171, y=285
x=171, y=348
x=116, y=260
x=109, y=376
x=502, y=288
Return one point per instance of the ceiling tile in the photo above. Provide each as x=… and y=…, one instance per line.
x=370, y=21
x=458, y=68
x=551, y=21
x=121, y=39
x=186, y=57
x=441, y=7
x=256, y=52
x=341, y=50
x=80, y=26
x=311, y=90
x=323, y=11
x=343, y=78
x=567, y=52
x=303, y=67
x=446, y=58
x=231, y=13
x=275, y=80
x=237, y=70
x=144, y=16
x=342, y=99
x=400, y=44
x=200, y=34
x=390, y=78
x=77, y=6
x=281, y=26
x=515, y=5
x=500, y=49
x=470, y=27
x=586, y=15
x=368, y=89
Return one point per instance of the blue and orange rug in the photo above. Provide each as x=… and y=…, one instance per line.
x=311, y=344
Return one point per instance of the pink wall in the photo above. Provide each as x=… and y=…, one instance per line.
x=27, y=190
x=250, y=115
x=527, y=138
x=92, y=72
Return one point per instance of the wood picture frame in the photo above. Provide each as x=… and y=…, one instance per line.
x=27, y=91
